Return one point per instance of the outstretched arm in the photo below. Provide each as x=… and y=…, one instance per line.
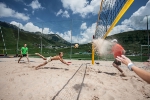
x=63, y=61
x=140, y=72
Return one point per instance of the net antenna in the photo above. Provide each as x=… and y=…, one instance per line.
x=109, y=14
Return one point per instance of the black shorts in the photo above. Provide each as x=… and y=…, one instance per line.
x=24, y=55
x=117, y=62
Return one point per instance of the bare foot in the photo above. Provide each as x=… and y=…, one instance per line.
x=33, y=66
x=36, y=68
x=123, y=75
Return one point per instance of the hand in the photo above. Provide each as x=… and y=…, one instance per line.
x=124, y=59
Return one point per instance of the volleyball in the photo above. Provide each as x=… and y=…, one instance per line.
x=76, y=45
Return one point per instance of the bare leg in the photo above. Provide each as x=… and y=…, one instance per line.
x=27, y=58
x=122, y=74
x=36, y=68
x=117, y=67
x=19, y=58
x=41, y=56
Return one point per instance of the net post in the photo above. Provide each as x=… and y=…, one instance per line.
x=93, y=52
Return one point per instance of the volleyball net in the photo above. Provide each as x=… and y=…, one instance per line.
x=110, y=13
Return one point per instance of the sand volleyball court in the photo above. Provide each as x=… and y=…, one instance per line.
x=79, y=81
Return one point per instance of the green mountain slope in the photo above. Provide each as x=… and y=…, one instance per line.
x=56, y=38
x=33, y=40
x=131, y=41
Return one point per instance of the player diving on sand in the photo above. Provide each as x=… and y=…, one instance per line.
x=49, y=59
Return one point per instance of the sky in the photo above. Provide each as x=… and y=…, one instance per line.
x=76, y=18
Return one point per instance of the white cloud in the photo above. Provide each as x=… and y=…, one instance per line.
x=64, y=14
x=138, y=18
x=137, y=21
x=83, y=26
x=82, y=7
x=66, y=35
x=17, y=24
x=85, y=35
x=46, y=31
x=8, y=12
x=25, y=9
x=27, y=27
x=59, y=12
x=36, y=5
x=120, y=29
x=32, y=28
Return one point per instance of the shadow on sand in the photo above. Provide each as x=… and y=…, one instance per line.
x=54, y=68
x=112, y=74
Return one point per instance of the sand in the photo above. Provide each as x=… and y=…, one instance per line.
x=57, y=81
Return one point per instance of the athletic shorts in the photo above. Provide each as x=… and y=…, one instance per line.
x=48, y=59
x=117, y=62
x=24, y=55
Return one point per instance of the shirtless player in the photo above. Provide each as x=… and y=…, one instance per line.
x=49, y=59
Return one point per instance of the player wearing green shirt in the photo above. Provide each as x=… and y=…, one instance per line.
x=24, y=52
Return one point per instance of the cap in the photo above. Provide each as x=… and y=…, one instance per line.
x=114, y=40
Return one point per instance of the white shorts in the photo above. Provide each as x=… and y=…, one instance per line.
x=48, y=59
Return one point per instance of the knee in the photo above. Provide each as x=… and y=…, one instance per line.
x=21, y=57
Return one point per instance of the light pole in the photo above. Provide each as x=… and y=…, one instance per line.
x=41, y=39
x=18, y=40
x=71, y=42
x=148, y=37
x=41, y=44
